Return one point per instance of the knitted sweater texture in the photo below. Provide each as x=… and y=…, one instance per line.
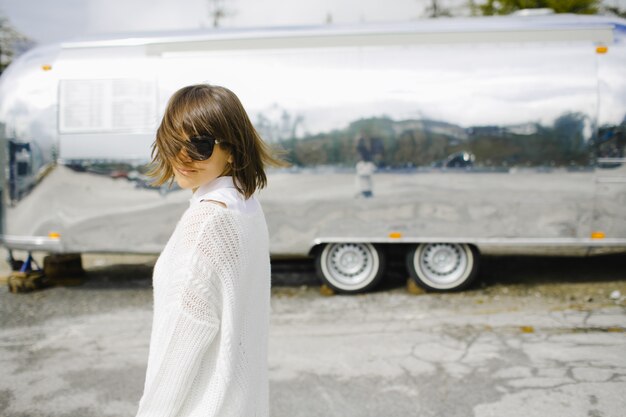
x=208, y=346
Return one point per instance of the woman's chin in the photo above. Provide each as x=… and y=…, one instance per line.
x=184, y=182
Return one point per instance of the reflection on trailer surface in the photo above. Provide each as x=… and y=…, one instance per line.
x=441, y=137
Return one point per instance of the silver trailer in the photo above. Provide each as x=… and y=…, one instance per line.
x=441, y=138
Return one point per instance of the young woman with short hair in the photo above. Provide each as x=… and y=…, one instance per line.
x=208, y=347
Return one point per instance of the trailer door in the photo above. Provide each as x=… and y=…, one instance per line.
x=609, y=219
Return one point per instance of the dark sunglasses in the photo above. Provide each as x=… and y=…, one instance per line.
x=200, y=148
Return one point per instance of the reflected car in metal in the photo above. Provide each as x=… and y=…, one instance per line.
x=443, y=138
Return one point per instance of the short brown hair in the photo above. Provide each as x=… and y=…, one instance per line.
x=216, y=111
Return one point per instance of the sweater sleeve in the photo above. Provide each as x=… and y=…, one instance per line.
x=189, y=328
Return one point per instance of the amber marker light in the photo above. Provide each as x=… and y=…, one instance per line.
x=598, y=235
x=602, y=49
x=395, y=235
x=46, y=67
x=54, y=235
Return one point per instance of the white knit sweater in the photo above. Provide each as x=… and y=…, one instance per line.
x=208, y=347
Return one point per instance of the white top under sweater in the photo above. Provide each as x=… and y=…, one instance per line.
x=208, y=347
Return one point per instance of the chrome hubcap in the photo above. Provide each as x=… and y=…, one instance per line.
x=443, y=263
x=351, y=265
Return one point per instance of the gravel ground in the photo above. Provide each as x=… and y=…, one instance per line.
x=535, y=336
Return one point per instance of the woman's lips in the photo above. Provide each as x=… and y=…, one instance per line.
x=186, y=171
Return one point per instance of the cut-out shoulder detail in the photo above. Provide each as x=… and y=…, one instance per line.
x=223, y=189
x=219, y=203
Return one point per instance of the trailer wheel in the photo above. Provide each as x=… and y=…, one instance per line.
x=443, y=266
x=350, y=267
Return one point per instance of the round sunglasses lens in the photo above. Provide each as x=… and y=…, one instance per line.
x=201, y=148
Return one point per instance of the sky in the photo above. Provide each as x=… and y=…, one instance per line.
x=47, y=21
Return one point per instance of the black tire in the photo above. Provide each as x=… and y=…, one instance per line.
x=443, y=266
x=16, y=265
x=350, y=267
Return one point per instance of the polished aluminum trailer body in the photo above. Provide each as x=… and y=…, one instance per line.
x=504, y=131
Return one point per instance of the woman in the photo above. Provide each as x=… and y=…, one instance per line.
x=208, y=347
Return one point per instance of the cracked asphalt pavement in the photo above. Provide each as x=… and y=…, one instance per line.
x=538, y=336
